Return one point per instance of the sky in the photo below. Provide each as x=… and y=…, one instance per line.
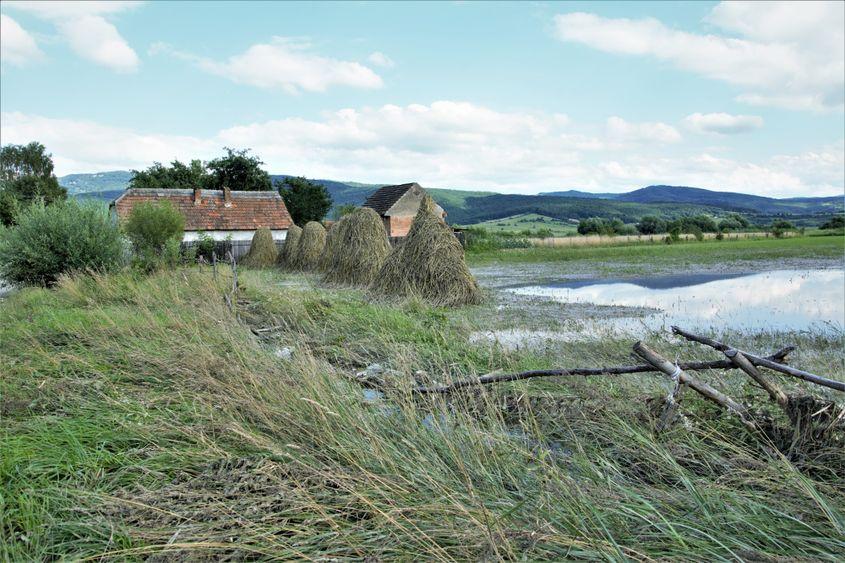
x=510, y=97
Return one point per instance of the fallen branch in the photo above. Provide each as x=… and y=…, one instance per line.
x=584, y=372
x=763, y=362
x=673, y=371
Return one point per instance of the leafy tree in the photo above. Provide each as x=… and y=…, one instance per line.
x=733, y=222
x=344, y=209
x=26, y=174
x=238, y=171
x=837, y=222
x=306, y=201
x=781, y=226
x=51, y=240
x=651, y=225
x=155, y=230
x=176, y=176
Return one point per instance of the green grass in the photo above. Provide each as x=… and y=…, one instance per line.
x=141, y=417
x=531, y=221
x=679, y=255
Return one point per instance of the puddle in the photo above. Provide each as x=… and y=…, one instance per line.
x=769, y=301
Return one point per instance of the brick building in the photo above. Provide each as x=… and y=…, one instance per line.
x=398, y=205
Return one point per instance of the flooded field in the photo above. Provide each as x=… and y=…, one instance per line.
x=780, y=300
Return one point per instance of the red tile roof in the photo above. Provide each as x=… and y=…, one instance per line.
x=245, y=211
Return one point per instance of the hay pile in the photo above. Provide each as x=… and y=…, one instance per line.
x=306, y=254
x=429, y=263
x=357, y=250
x=291, y=242
x=330, y=248
x=262, y=252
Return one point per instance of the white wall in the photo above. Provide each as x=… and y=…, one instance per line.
x=193, y=236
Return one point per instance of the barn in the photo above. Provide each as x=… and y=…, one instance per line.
x=398, y=205
x=224, y=215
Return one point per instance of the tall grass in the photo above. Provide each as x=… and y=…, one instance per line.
x=142, y=417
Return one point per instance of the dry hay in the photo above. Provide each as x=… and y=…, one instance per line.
x=328, y=250
x=429, y=263
x=306, y=255
x=291, y=242
x=358, y=249
x=262, y=251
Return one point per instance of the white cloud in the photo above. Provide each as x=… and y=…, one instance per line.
x=285, y=64
x=623, y=131
x=86, y=30
x=722, y=123
x=17, y=46
x=790, y=53
x=444, y=144
x=380, y=59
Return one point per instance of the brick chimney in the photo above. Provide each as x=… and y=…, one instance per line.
x=227, y=197
x=197, y=196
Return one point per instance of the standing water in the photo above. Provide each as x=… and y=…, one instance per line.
x=776, y=300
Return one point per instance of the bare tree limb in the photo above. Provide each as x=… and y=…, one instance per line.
x=763, y=362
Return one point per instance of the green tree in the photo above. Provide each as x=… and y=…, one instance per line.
x=26, y=175
x=651, y=225
x=176, y=176
x=238, y=170
x=344, y=209
x=781, y=226
x=306, y=201
x=837, y=222
x=51, y=240
x=155, y=230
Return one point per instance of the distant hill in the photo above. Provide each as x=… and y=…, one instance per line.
x=468, y=207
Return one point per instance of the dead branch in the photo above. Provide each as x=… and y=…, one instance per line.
x=762, y=362
x=673, y=371
x=583, y=372
x=751, y=370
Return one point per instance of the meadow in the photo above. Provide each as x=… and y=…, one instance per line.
x=141, y=417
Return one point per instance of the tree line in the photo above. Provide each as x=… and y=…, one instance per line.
x=27, y=176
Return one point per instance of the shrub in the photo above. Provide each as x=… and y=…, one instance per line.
x=837, y=222
x=651, y=225
x=780, y=227
x=152, y=228
x=205, y=247
x=64, y=237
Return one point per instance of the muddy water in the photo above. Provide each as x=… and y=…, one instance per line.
x=768, y=301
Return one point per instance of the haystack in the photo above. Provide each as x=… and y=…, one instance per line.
x=430, y=263
x=358, y=249
x=291, y=242
x=262, y=252
x=329, y=249
x=306, y=255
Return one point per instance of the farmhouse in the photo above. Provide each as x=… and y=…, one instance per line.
x=223, y=215
x=398, y=205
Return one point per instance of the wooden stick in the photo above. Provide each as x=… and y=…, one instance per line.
x=583, y=372
x=671, y=404
x=764, y=362
x=745, y=365
x=673, y=371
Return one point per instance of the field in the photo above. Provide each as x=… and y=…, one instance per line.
x=141, y=417
x=531, y=221
x=637, y=256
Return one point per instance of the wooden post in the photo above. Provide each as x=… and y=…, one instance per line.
x=773, y=390
x=214, y=263
x=765, y=362
x=702, y=388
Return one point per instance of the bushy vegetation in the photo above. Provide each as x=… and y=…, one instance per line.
x=237, y=170
x=607, y=227
x=306, y=200
x=26, y=176
x=479, y=239
x=143, y=419
x=780, y=227
x=837, y=222
x=155, y=230
x=49, y=241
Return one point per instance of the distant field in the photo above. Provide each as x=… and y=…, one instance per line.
x=702, y=253
x=532, y=221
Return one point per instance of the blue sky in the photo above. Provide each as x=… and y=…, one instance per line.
x=522, y=97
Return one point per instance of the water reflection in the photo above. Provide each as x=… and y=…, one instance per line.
x=777, y=300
